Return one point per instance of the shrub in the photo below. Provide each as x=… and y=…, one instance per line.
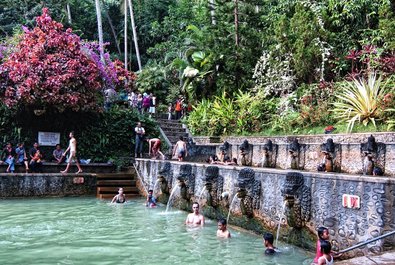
x=359, y=101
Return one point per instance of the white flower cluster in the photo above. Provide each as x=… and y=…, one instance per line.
x=274, y=75
x=325, y=49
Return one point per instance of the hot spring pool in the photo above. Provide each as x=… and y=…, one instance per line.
x=89, y=231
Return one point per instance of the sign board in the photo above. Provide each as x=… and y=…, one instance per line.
x=351, y=201
x=48, y=138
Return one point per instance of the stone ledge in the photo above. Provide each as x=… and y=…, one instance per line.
x=50, y=167
x=385, y=137
x=318, y=175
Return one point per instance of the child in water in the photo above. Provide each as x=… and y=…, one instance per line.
x=120, y=198
x=326, y=258
x=268, y=240
x=222, y=230
x=151, y=201
x=323, y=236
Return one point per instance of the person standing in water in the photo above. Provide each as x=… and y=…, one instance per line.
x=222, y=231
x=120, y=197
x=195, y=218
x=73, y=154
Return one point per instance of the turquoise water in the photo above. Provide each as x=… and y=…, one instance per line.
x=89, y=231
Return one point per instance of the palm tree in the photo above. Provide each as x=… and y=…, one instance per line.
x=99, y=29
x=136, y=46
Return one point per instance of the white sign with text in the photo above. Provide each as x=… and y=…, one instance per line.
x=48, y=138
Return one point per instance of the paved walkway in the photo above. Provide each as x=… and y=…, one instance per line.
x=387, y=258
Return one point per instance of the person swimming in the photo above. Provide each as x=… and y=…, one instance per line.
x=151, y=201
x=120, y=197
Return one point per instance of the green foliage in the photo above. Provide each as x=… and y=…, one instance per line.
x=359, y=101
x=153, y=79
x=244, y=113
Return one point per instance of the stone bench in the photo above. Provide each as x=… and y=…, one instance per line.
x=51, y=167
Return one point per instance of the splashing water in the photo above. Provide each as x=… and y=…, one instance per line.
x=279, y=221
x=173, y=191
x=201, y=193
x=230, y=207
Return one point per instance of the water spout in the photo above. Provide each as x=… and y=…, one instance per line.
x=141, y=179
x=279, y=222
x=176, y=188
x=155, y=188
x=230, y=207
x=201, y=193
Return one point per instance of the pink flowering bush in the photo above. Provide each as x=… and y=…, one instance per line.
x=49, y=69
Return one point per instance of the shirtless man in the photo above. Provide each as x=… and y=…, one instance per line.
x=180, y=149
x=195, y=218
x=154, y=148
x=73, y=154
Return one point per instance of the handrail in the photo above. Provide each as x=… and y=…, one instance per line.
x=366, y=242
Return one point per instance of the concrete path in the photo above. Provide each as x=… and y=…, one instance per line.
x=387, y=258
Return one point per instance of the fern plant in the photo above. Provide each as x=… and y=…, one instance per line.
x=359, y=101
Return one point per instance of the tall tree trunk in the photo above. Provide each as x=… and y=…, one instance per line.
x=113, y=33
x=68, y=13
x=126, y=33
x=136, y=46
x=236, y=13
x=212, y=11
x=100, y=29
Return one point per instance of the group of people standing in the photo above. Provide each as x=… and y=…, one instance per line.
x=144, y=103
x=33, y=160
x=180, y=150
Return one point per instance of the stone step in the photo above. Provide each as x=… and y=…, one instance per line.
x=114, y=190
x=165, y=126
x=116, y=183
x=173, y=129
x=176, y=135
x=117, y=176
x=110, y=196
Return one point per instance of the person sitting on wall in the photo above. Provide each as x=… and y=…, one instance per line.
x=58, y=154
x=36, y=162
x=34, y=157
x=21, y=157
x=8, y=157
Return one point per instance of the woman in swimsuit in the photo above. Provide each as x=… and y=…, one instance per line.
x=120, y=197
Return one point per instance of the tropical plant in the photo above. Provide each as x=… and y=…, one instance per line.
x=49, y=69
x=359, y=101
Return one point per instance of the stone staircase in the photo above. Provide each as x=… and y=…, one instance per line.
x=173, y=129
x=108, y=184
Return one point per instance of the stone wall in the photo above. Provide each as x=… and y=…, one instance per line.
x=349, y=155
x=46, y=185
x=316, y=201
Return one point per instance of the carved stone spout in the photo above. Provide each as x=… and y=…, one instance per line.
x=225, y=151
x=214, y=185
x=248, y=190
x=294, y=150
x=298, y=200
x=269, y=152
x=373, y=155
x=245, y=153
x=164, y=190
x=186, y=181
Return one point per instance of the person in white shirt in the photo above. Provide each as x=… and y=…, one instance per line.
x=140, y=132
